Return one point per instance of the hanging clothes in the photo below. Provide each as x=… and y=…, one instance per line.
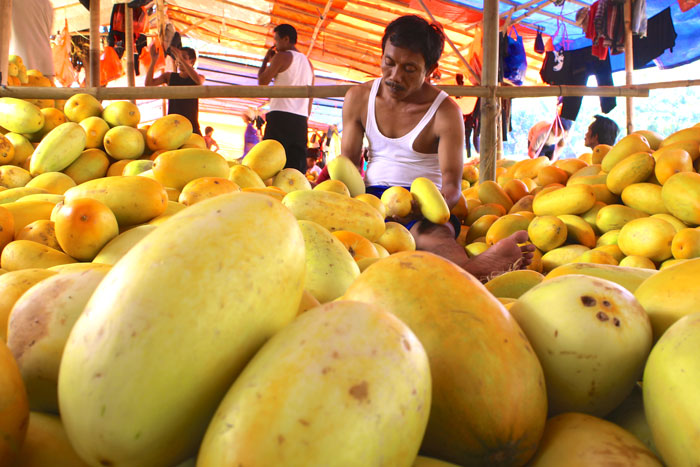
x=661, y=35
x=573, y=67
x=639, y=18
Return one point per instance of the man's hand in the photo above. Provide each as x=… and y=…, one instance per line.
x=270, y=53
x=154, y=51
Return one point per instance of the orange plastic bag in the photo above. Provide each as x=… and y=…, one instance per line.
x=110, y=66
x=61, y=49
x=476, y=52
x=145, y=56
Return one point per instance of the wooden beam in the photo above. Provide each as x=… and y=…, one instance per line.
x=205, y=92
x=5, y=34
x=94, y=54
x=129, y=45
x=319, y=23
x=629, y=64
x=490, y=110
x=196, y=23
x=476, y=78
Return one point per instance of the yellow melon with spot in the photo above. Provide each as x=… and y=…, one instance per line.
x=122, y=113
x=203, y=188
x=168, y=132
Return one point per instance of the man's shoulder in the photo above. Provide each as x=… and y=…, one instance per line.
x=360, y=90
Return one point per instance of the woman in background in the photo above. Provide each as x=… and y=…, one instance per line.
x=251, y=137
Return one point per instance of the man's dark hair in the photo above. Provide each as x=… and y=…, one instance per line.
x=287, y=30
x=416, y=34
x=605, y=129
x=189, y=51
x=208, y=130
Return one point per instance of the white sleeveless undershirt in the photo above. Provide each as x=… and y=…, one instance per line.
x=392, y=161
x=299, y=73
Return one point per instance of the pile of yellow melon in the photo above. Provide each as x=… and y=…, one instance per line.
x=162, y=306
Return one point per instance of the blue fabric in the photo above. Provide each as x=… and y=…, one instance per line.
x=378, y=191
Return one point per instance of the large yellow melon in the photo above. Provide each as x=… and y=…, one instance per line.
x=650, y=237
x=122, y=113
x=266, y=158
x=46, y=444
x=346, y=383
x=580, y=440
x=124, y=142
x=174, y=169
x=236, y=260
x=671, y=396
x=488, y=396
x=14, y=408
x=168, y=132
x=681, y=196
x=592, y=338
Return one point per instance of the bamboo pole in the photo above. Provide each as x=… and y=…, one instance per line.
x=545, y=13
x=489, y=104
x=129, y=45
x=5, y=34
x=629, y=64
x=670, y=84
x=94, y=55
x=204, y=92
x=317, y=28
x=477, y=78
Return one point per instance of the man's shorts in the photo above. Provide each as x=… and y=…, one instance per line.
x=378, y=190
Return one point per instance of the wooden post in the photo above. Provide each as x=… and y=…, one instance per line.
x=629, y=64
x=94, y=56
x=129, y=45
x=317, y=28
x=489, y=105
x=5, y=34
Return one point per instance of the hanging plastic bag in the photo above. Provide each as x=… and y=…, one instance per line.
x=145, y=56
x=686, y=5
x=476, y=52
x=515, y=60
x=539, y=42
x=110, y=66
x=61, y=50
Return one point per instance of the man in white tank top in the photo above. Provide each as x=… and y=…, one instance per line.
x=414, y=130
x=287, y=120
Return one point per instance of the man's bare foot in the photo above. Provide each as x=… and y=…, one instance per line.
x=505, y=255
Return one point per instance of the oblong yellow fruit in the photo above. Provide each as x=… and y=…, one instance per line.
x=53, y=182
x=133, y=200
x=245, y=177
x=203, y=188
x=547, y=232
x=122, y=113
x=121, y=244
x=681, y=196
x=475, y=344
x=26, y=254
x=505, y=226
x=266, y=158
x=12, y=176
x=430, y=201
x=20, y=116
x=336, y=212
x=245, y=274
x=614, y=216
x=630, y=144
x=124, y=142
x=59, y=149
x=633, y=169
x=648, y=236
x=670, y=294
x=513, y=284
x=580, y=440
x=592, y=374
x=562, y=255
x=46, y=443
x=671, y=399
x=628, y=277
x=491, y=192
x=327, y=404
x=330, y=269
x=95, y=130
x=91, y=164
x=573, y=199
x=168, y=132
x=341, y=168
x=645, y=197
x=174, y=169
x=397, y=201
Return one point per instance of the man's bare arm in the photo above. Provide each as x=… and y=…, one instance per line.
x=272, y=65
x=353, y=126
x=449, y=126
x=162, y=78
x=189, y=69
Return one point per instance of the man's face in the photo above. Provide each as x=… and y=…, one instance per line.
x=590, y=141
x=403, y=71
x=281, y=43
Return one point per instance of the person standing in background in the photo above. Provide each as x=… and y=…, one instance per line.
x=185, y=76
x=287, y=120
x=32, y=21
x=251, y=137
x=208, y=140
x=601, y=131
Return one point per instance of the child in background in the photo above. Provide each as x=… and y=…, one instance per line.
x=313, y=170
x=208, y=131
x=251, y=137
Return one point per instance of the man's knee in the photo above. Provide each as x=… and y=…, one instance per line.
x=427, y=235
